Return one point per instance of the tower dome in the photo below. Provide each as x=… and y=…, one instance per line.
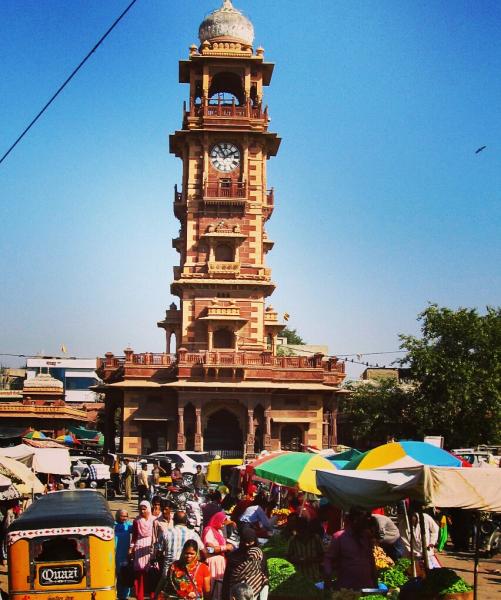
x=226, y=22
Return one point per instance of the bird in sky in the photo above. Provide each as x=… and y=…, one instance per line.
x=480, y=149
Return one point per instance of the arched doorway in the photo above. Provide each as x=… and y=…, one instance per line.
x=223, y=432
x=291, y=438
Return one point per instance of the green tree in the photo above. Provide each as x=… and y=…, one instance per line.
x=292, y=336
x=457, y=366
x=380, y=409
x=456, y=389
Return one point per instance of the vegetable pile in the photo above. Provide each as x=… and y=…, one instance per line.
x=444, y=581
x=395, y=577
x=285, y=581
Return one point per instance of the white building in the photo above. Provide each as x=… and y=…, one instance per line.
x=77, y=375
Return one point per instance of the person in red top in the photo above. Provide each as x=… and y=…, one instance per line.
x=187, y=577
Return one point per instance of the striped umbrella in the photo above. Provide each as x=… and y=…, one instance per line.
x=35, y=435
x=401, y=455
x=69, y=439
x=294, y=469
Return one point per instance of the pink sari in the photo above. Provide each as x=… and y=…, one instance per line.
x=216, y=563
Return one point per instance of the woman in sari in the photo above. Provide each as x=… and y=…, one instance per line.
x=216, y=548
x=141, y=548
x=123, y=534
x=187, y=577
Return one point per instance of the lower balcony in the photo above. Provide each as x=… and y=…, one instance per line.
x=224, y=364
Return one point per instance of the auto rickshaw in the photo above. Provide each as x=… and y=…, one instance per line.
x=220, y=469
x=63, y=548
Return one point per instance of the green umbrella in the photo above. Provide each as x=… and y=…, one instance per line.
x=294, y=469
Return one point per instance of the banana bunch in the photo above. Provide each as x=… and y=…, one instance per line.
x=381, y=558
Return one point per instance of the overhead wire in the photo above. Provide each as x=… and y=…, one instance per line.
x=68, y=79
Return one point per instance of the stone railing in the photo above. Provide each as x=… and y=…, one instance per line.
x=251, y=366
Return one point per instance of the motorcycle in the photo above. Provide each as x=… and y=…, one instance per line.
x=489, y=542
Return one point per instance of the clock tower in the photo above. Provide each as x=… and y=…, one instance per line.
x=221, y=385
x=224, y=201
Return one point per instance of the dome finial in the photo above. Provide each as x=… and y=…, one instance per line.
x=226, y=22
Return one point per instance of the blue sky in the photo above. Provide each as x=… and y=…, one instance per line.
x=382, y=204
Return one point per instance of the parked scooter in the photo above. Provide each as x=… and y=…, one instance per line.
x=490, y=534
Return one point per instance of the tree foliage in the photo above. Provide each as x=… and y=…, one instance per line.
x=380, y=410
x=292, y=336
x=457, y=365
x=456, y=369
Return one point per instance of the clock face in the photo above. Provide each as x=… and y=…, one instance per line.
x=225, y=156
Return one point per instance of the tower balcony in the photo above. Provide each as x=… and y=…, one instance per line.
x=223, y=189
x=219, y=113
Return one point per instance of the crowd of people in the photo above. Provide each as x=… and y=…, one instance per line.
x=159, y=555
x=210, y=548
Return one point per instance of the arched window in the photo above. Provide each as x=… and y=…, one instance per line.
x=223, y=338
x=223, y=253
x=226, y=88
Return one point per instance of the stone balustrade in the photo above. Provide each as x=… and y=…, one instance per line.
x=250, y=365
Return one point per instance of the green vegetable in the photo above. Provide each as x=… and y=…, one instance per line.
x=396, y=576
x=393, y=577
x=444, y=581
x=285, y=581
x=403, y=564
x=459, y=587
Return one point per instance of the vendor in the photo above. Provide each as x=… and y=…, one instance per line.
x=431, y=531
x=387, y=535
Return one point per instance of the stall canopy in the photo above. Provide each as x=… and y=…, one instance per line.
x=55, y=461
x=83, y=434
x=446, y=487
x=23, y=479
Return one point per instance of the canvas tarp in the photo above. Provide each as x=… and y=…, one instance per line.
x=55, y=461
x=24, y=480
x=446, y=487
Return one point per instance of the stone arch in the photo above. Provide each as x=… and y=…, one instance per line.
x=171, y=342
x=223, y=431
x=227, y=86
x=291, y=437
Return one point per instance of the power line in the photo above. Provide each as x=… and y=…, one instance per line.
x=61, y=88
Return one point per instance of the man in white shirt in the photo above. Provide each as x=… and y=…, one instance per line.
x=431, y=531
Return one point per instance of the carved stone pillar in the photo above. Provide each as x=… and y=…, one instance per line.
x=211, y=337
x=198, y=429
x=267, y=431
x=325, y=430
x=250, y=431
x=181, y=438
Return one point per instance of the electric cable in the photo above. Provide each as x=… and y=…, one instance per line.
x=61, y=88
